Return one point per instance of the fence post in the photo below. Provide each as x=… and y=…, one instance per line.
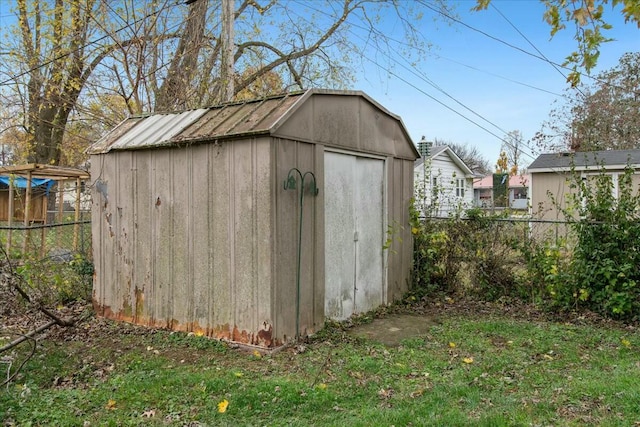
x=10, y=214
x=27, y=211
x=76, y=227
x=60, y=209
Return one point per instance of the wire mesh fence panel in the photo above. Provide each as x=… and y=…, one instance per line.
x=61, y=241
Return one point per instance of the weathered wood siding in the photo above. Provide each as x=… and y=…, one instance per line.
x=184, y=238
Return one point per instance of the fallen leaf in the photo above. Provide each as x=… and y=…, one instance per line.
x=149, y=414
x=257, y=354
x=111, y=404
x=452, y=345
x=625, y=342
x=385, y=394
x=468, y=360
x=238, y=374
x=222, y=406
x=416, y=393
x=322, y=386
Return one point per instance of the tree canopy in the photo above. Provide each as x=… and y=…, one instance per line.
x=602, y=115
x=96, y=61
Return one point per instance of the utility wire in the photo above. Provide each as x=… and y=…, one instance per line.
x=435, y=86
x=555, y=67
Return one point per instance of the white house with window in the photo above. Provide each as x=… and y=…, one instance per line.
x=443, y=182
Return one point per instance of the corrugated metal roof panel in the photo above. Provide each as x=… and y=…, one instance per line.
x=103, y=144
x=151, y=131
x=237, y=119
x=157, y=130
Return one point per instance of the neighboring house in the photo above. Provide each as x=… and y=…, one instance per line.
x=518, y=190
x=551, y=173
x=443, y=182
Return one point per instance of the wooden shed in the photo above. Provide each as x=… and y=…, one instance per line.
x=253, y=221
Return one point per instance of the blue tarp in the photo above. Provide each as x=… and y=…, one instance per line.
x=21, y=182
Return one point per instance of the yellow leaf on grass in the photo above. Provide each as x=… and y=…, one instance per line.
x=257, y=354
x=625, y=342
x=111, y=404
x=468, y=360
x=452, y=345
x=238, y=374
x=222, y=406
x=322, y=386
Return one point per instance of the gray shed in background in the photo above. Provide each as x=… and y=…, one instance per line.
x=194, y=228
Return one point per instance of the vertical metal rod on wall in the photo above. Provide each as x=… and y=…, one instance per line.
x=290, y=184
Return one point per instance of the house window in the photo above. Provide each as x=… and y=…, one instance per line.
x=519, y=193
x=434, y=186
x=460, y=187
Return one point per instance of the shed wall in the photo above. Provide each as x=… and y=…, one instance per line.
x=350, y=123
x=306, y=158
x=400, y=253
x=184, y=238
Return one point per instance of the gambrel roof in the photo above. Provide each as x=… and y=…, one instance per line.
x=311, y=116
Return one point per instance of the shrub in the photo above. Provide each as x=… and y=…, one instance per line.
x=604, y=271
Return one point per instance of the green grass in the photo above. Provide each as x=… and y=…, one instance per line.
x=488, y=371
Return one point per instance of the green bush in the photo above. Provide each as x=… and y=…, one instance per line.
x=605, y=264
x=470, y=254
x=52, y=281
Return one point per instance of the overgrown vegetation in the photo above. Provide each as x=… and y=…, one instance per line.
x=593, y=264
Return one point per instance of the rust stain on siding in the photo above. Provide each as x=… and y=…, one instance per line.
x=139, y=302
x=262, y=338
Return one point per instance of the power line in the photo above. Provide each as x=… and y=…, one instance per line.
x=555, y=67
x=435, y=86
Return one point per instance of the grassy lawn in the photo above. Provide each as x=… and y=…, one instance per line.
x=485, y=369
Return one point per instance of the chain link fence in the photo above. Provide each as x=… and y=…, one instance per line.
x=58, y=240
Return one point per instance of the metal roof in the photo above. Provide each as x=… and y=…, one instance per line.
x=605, y=158
x=226, y=121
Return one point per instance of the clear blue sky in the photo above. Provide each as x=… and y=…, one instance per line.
x=466, y=64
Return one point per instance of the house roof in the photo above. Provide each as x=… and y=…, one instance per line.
x=440, y=150
x=611, y=159
x=250, y=118
x=514, y=181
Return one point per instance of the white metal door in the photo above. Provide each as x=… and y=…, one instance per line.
x=354, y=234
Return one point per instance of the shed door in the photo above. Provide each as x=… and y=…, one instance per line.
x=353, y=234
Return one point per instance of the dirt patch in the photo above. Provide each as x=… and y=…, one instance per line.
x=391, y=330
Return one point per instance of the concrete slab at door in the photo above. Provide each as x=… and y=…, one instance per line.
x=353, y=234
